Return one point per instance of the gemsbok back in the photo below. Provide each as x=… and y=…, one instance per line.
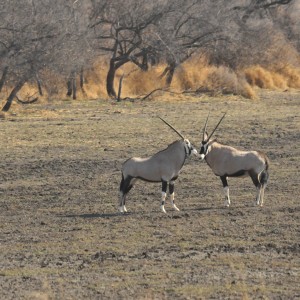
x=226, y=161
x=163, y=167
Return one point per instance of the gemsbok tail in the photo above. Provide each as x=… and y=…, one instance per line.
x=264, y=175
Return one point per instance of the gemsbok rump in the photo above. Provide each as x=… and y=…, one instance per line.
x=163, y=167
x=226, y=161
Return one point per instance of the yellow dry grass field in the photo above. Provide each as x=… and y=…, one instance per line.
x=61, y=236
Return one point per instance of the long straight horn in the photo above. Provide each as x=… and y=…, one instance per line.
x=216, y=127
x=172, y=127
x=204, y=129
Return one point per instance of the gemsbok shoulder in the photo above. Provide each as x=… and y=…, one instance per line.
x=226, y=161
x=164, y=167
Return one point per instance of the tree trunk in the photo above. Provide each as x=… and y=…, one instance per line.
x=3, y=77
x=110, y=80
x=39, y=84
x=170, y=74
x=120, y=88
x=74, y=86
x=12, y=95
x=81, y=79
x=69, y=87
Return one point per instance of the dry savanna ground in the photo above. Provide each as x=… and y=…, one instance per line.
x=61, y=236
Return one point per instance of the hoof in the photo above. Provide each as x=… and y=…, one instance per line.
x=176, y=208
x=227, y=203
x=122, y=209
x=162, y=208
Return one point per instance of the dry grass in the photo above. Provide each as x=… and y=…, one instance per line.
x=283, y=78
x=197, y=74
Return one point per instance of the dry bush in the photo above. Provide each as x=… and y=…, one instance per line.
x=277, y=68
x=196, y=74
x=273, y=78
x=137, y=82
x=95, y=81
x=292, y=76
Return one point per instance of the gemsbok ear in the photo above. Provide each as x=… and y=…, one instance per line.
x=211, y=142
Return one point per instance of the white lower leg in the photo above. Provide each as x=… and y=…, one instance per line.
x=262, y=193
x=121, y=202
x=122, y=207
x=163, y=201
x=172, y=196
x=258, y=196
x=227, y=199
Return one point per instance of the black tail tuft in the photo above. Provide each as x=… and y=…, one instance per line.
x=267, y=163
x=264, y=177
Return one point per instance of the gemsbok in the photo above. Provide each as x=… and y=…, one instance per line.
x=226, y=161
x=163, y=167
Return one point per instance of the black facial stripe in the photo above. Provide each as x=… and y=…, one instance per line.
x=203, y=148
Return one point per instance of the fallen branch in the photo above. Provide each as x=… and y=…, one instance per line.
x=28, y=101
x=152, y=92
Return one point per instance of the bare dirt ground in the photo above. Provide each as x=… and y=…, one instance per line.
x=61, y=236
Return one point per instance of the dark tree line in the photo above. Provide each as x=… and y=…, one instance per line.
x=65, y=37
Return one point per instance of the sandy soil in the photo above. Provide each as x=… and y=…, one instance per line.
x=61, y=236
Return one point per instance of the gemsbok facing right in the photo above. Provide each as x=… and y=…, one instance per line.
x=226, y=161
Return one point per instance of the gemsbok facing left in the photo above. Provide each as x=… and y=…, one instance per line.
x=163, y=167
x=226, y=161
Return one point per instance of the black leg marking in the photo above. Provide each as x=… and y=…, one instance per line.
x=126, y=184
x=171, y=188
x=255, y=180
x=164, y=186
x=122, y=183
x=224, y=180
x=125, y=187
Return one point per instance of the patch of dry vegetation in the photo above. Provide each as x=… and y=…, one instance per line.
x=199, y=75
x=196, y=74
x=283, y=78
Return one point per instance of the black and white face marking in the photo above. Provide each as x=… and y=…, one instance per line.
x=203, y=149
x=189, y=148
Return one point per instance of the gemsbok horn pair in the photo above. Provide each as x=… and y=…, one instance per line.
x=163, y=167
x=226, y=161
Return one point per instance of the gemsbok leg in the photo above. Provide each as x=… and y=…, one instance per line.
x=226, y=190
x=260, y=181
x=164, y=186
x=125, y=186
x=172, y=194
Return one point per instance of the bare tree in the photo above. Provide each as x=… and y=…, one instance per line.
x=37, y=35
x=193, y=27
x=127, y=34
x=65, y=37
